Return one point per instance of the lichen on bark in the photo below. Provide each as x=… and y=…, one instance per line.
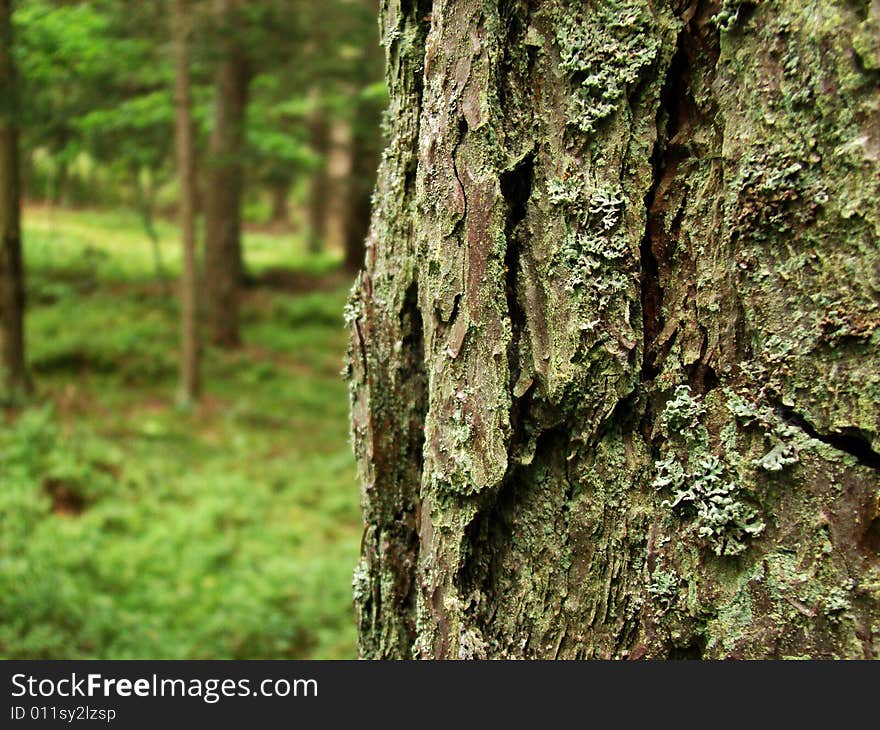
x=614, y=364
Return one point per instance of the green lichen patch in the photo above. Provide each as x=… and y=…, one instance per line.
x=722, y=518
x=702, y=488
x=732, y=12
x=605, y=56
x=663, y=588
x=681, y=418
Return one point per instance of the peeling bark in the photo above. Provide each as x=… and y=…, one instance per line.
x=614, y=364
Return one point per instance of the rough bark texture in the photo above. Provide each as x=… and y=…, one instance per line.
x=15, y=381
x=224, y=269
x=615, y=374
x=190, y=385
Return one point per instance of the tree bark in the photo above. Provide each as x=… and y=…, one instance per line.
x=614, y=369
x=190, y=385
x=224, y=267
x=15, y=380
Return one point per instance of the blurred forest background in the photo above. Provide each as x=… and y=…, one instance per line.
x=184, y=194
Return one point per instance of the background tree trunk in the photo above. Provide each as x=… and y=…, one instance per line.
x=364, y=161
x=366, y=151
x=319, y=179
x=190, y=386
x=224, y=268
x=281, y=203
x=16, y=382
x=630, y=250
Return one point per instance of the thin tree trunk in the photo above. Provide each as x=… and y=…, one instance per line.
x=364, y=163
x=280, y=203
x=146, y=204
x=614, y=354
x=338, y=179
x=59, y=195
x=366, y=151
x=190, y=369
x=319, y=180
x=224, y=267
x=16, y=383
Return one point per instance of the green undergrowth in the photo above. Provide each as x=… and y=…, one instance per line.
x=95, y=244
x=132, y=529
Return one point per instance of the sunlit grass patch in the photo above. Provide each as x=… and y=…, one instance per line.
x=114, y=245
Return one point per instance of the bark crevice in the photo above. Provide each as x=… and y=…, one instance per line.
x=654, y=248
x=851, y=441
x=670, y=288
x=516, y=188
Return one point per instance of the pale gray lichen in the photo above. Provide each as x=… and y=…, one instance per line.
x=744, y=411
x=664, y=588
x=722, y=518
x=703, y=486
x=566, y=191
x=605, y=206
x=606, y=57
x=354, y=308
x=835, y=603
x=729, y=15
x=780, y=456
x=670, y=474
x=787, y=439
x=682, y=414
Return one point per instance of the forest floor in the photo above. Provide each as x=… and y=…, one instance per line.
x=131, y=529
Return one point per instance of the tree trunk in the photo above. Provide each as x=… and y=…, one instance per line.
x=145, y=194
x=190, y=385
x=15, y=381
x=366, y=151
x=319, y=179
x=224, y=269
x=61, y=185
x=365, y=155
x=338, y=177
x=614, y=363
x=281, y=203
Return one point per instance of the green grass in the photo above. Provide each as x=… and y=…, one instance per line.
x=113, y=245
x=130, y=529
